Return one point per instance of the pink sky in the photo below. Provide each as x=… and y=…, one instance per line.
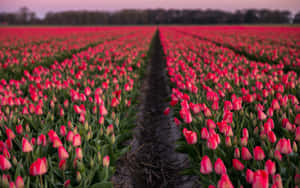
x=42, y=6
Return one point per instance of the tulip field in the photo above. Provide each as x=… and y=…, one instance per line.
x=70, y=97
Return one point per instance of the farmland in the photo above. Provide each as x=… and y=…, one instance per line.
x=213, y=106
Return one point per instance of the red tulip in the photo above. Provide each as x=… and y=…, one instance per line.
x=246, y=155
x=102, y=110
x=56, y=142
x=62, y=164
x=42, y=140
x=297, y=134
x=249, y=176
x=78, y=153
x=206, y=166
x=186, y=115
x=237, y=164
x=70, y=136
x=212, y=141
x=220, y=167
x=258, y=153
x=271, y=136
x=4, y=163
x=297, y=119
x=76, y=140
x=10, y=134
x=167, y=111
x=284, y=146
x=106, y=161
x=190, y=136
x=19, y=129
x=110, y=129
x=39, y=167
x=225, y=182
x=261, y=115
x=26, y=146
x=62, y=130
x=19, y=182
x=204, y=133
x=62, y=153
x=237, y=153
x=270, y=167
x=210, y=124
x=260, y=179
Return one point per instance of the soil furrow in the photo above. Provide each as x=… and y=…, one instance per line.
x=152, y=161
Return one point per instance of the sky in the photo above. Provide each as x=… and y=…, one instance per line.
x=41, y=7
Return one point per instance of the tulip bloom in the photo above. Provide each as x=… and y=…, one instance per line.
x=39, y=167
x=206, y=166
x=270, y=167
x=225, y=182
x=76, y=140
x=260, y=179
x=246, y=155
x=258, y=153
x=62, y=153
x=297, y=119
x=249, y=176
x=190, y=136
x=26, y=146
x=4, y=163
x=237, y=164
x=220, y=167
x=19, y=182
x=106, y=161
x=284, y=146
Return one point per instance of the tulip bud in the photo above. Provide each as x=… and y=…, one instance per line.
x=99, y=156
x=86, y=125
x=228, y=141
x=78, y=176
x=106, y=161
x=237, y=153
x=113, y=138
x=295, y=148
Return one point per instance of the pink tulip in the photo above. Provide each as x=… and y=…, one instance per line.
x=76, y=140
x=270, y=167
x=246, y=155
x=249, y=176
x=237, y=164
x=190, y=136
x=19, y=182
x=39, y=167
x=210, y=124
x=225, y=182
x=206, y=166
x=297, y=120
x=260, y=179
x=4, y=163
x=284, y=146
x=220, y=167
x=62, y=153
x=26, y=146
x=106, y=161
x=258, y=153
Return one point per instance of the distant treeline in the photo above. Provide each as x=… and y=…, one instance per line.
x=152, y=16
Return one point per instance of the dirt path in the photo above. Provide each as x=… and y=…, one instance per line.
x=153, y=161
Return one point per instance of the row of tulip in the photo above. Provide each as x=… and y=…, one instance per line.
x=32, y=53
x=273, y=44
x=65, y=125
x=17, y=37
x=240, y=119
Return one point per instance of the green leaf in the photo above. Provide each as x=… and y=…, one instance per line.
x=102, y=185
